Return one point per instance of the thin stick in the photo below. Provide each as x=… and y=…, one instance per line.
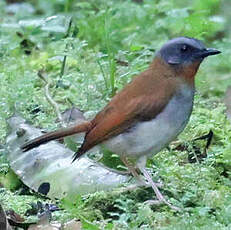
x=49, y=98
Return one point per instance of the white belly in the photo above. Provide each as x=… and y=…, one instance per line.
x=149, y=137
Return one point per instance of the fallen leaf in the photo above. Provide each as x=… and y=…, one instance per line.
x=43, y=227
x=48, y=168
x=227, y=101
x=73, y=225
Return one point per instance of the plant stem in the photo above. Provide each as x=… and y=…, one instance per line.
x=65, y=56
x=112, y=64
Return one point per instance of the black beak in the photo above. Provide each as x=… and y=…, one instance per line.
x=208, y=52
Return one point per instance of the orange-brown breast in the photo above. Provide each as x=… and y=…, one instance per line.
x=188, y=72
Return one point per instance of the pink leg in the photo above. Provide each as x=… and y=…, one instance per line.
x=159, y=196
x=133, y=171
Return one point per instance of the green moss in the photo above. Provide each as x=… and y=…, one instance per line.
x=110, y=42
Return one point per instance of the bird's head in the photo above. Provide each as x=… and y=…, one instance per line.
x=183, y=51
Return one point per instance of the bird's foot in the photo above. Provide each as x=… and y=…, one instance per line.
x=131, y=187
x=158, y=184
x=153, y=202
x=139, y=184
x=160, y=197
x=159, y=202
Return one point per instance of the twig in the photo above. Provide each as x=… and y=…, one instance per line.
x=48, y=96
x=47, y=85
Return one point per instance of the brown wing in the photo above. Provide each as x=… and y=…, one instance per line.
x=129, y=106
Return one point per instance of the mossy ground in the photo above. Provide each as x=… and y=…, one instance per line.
x=109, y=42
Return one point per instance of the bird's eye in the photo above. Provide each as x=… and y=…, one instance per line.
x=184, y=48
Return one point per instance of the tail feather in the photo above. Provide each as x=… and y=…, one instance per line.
x=77, y=155
x=83, y=127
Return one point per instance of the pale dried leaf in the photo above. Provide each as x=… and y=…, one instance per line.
x=73, y=225
x=227, y=101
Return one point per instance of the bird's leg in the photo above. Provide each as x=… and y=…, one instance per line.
x=160, y=197
x=133, y=171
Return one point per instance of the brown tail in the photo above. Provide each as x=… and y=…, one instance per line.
x=83, y=127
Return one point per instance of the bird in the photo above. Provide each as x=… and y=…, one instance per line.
x=147, y=114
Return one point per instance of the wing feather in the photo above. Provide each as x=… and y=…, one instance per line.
x=129, y=106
